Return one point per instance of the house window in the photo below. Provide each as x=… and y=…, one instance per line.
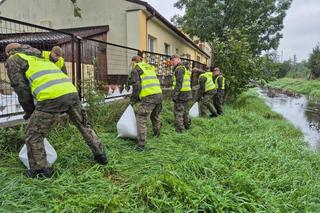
x=198, y=58
x=166, y=49
x=177, y=51
x=151, y=43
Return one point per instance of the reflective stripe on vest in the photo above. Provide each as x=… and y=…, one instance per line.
x=150, y=84
x=186, y=82
x=59, y=63
x=46, y=80
x=209, y=82
x=216, y=82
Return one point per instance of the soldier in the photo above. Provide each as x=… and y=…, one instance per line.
x=181, y=93
x=33, y=77
x=55, y=56
x=220, y=85
x=206, y=91
x=146, y=98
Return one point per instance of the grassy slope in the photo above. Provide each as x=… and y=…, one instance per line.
x=249, y=160
x=301, y=86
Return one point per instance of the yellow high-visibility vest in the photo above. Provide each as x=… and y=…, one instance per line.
x=186, y=82
x=46, y=80
x=150, y=84
x=59, y=63
x=209, y=82
x=216, y=82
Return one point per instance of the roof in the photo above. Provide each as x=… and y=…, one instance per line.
x=53, y=37
x=167, y=23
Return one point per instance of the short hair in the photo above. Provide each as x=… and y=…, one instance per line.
x=136, y=58
x=217, y=69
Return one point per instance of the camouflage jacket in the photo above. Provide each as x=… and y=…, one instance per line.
x=135, y=81
x=177, y=94
x=202, y=84
x=219, y=90
x=16, y=68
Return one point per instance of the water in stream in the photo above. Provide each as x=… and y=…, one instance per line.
x=302, y=112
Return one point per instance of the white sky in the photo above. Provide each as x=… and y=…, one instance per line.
x=301, y=30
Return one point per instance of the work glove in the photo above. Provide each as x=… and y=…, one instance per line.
x=26, y=116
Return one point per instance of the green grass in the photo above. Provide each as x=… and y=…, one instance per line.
x=249, y=160
x=302, y=86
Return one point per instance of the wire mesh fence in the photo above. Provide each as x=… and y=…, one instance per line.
x=91, y=62
x=38, y=37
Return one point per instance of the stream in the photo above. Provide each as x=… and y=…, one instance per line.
x=301, y=111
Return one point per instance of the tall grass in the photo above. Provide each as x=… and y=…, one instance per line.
x=302, y=86
x=249, y=160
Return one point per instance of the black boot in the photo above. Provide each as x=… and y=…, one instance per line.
x=101, y=159
x=45, y=173
x=214, y=115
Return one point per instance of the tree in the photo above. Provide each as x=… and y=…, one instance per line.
x=284, y=68
x=236, y=61
x=314, y=62
x=239, y=32
x=260, y=20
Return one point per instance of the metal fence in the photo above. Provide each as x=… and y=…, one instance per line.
x=91, y=62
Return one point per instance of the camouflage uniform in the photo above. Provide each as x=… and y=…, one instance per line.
x=205, y=98
x=149, y=105
x=45, y=113
x=181, y=101
x=218, y=97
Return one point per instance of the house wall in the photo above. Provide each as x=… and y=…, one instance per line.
x=163, y=35
x=128, y=26
x=58, y=14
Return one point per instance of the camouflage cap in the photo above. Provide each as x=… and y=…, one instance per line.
x=57, y=51
x=10, y=47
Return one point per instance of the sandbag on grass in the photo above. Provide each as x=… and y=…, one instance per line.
x=127, y=124
x=194, y=112
x=50, y=151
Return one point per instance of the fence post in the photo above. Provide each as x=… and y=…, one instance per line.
x=72, y=61
x=78, y=67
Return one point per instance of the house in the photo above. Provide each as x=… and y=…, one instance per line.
x=46, y=40
x=132, y=23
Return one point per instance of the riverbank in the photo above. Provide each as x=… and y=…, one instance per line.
x=301, y=86
x=249, y=160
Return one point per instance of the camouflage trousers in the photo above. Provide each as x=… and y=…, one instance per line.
x=206, y=103
x=39, y=126
x=181, y=114
x=218, y=102
x=142, y=111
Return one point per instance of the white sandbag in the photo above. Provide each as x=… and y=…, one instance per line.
x=51, y=154
x=127, y=124
x=194, y=112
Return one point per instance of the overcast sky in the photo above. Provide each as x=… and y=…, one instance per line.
x=301, y=30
